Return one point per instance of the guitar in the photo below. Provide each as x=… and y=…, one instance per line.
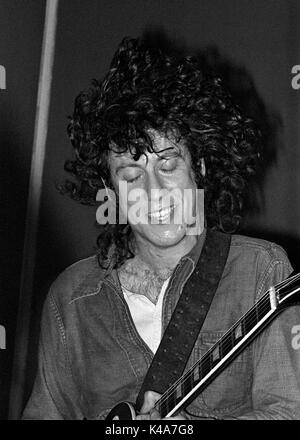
x=223, y=352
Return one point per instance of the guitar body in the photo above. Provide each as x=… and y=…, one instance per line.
x=122, y=411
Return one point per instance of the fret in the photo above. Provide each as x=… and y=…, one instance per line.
x=178, y=391
x=249, y=320
x=216, y=354
x=200, y=369
x=206, y=364
x=196, y=373
x=262, y=309
x=243, y=326
x=232, y=337
x=164, y=408
x=238, y=332
x=227, y=343
x=168, y=404
x=257, y=309
x=188, y=383
x=229, y=340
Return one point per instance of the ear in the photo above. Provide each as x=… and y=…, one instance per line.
x=203, y=167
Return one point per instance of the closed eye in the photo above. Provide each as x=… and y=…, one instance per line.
x=133, y=179
x=166, y=171
x=169, y=165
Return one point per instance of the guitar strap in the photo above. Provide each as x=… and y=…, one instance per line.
x=188, y=317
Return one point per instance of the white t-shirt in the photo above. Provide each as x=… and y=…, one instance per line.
x=147, y=316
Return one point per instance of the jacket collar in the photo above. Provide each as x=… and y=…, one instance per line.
x=195, y=252
x=95, y=276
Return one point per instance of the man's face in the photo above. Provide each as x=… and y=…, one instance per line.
x=156, y=186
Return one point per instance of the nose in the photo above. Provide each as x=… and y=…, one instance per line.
x=155, y=188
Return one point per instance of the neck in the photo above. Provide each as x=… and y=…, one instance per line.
x=162, y=260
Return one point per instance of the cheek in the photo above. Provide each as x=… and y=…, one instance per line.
x=133, y=200
x=183, y=180
x=115, y=181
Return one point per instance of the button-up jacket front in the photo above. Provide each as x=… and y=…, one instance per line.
x=91, y=356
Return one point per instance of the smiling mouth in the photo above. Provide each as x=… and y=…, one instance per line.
x=161, y=215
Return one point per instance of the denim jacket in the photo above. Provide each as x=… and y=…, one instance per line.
x=91, y=356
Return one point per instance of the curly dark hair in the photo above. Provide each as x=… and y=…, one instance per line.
x=148, y=89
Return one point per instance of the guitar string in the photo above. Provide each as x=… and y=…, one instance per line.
x=204, y=361
x=252, y=309
x=206, y=358
x=163, y=401
x=288, y=281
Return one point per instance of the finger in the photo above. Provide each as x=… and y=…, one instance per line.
x=150, y=398
x=143, y=417
x=154, y=415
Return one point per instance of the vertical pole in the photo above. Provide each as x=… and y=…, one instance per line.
x=32, y=215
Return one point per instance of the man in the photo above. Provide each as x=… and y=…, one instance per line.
x=156, y=125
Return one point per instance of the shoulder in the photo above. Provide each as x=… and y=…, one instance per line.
x=82, y=278
x=266, y=262
x=267, y=250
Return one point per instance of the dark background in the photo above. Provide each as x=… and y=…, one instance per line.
x=252, y=43
x=21, y=29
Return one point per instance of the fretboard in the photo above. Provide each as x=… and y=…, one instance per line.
x=174, y=398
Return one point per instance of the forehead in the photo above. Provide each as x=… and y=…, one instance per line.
x=162, y=146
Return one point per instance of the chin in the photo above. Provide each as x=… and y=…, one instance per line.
x=164, y=235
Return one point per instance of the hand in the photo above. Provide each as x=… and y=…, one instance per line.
x=148, y=412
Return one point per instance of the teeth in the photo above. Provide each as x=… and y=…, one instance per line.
x=161, y=214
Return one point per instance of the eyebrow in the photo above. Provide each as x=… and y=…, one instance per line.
x=163, y=154
x=167, y=153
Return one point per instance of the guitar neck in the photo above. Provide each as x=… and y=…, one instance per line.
x=225, y=350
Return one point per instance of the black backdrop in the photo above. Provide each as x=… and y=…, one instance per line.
x=21, y=28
